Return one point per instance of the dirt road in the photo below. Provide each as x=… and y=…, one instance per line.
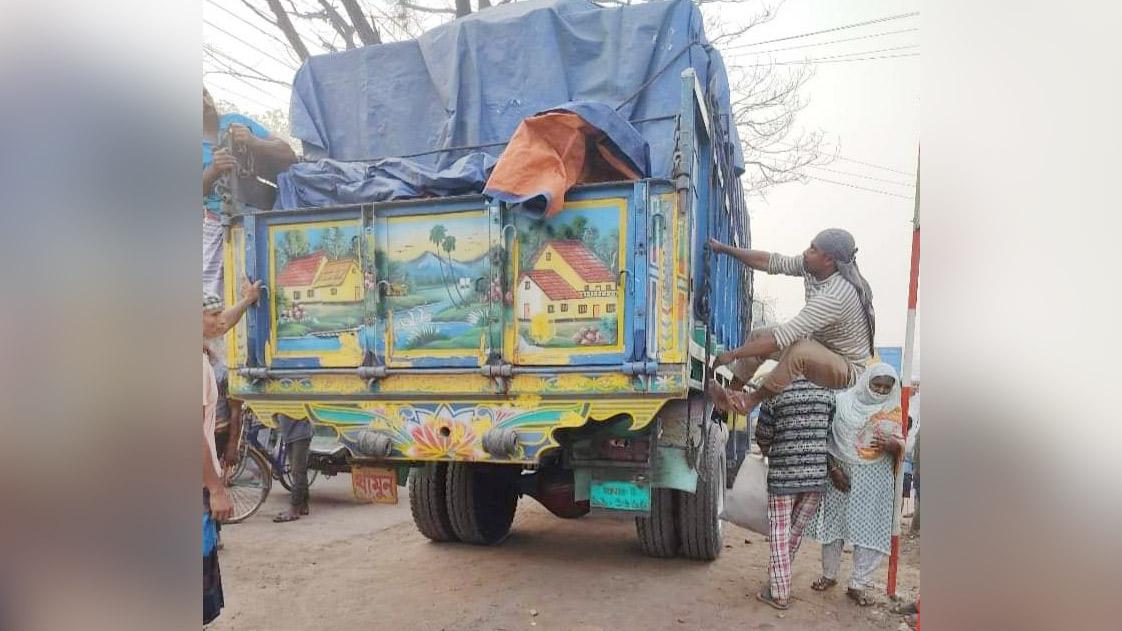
x=365, y=566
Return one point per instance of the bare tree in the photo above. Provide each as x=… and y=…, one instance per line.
x=360, y=22
x=766, y=101
x=283, y=22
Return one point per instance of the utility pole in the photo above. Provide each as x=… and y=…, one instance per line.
x=906, y=390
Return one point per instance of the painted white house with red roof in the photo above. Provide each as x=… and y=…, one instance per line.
x=299, y=276
x=315, y=278
x=566, y=281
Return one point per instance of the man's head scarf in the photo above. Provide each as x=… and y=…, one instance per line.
x=212, y=303
x=839, y=245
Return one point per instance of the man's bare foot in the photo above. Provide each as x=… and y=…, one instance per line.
x=719, y=395
x=291, y=514
x=726, y=399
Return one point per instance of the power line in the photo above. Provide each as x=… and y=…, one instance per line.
x=847, y=159
x=214, y=51
x=862, y=188
x=832, y=61
x=865, y=177
x=833, y=41
x=258, y=28
x=864, y=52
x=829, y=30
x=269, y=55
x=248, y=98
x=239, y=78
x=875, y=166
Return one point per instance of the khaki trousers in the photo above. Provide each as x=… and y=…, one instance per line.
x=805, y=358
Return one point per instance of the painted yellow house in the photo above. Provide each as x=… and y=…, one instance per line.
x=298, y=277
x=337, y=281
x=566, y=281
x=315, y=279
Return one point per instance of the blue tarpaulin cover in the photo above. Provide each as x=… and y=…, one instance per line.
x=471, y=82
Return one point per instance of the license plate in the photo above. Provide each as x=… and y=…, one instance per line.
x=621, y=495
x=374, y=484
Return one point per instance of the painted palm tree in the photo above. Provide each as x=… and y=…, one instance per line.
x=449, y=246
x=437, y=236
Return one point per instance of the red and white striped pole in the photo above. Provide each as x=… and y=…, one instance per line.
x=906, y=391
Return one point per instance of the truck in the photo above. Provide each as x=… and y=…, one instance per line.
x=477, y=353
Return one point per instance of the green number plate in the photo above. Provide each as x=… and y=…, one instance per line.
x=621, y=495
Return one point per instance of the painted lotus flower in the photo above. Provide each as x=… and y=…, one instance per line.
x=444, y=434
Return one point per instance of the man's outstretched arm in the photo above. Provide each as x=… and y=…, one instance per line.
x=251, y=292
x=756, y=259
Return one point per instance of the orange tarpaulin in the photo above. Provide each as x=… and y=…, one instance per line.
x=549, y=154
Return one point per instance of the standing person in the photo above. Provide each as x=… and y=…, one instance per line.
x=228, y=423
x=216, y=501
x=792, y=431
x=914, y=529
x=828, y=342
x=297, y=436
x=866, y=439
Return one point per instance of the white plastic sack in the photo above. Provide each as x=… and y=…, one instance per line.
x=746, y=503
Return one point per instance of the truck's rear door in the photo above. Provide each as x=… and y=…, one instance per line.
x=576, y=280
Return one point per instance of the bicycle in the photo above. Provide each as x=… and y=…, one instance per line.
x=259, y=463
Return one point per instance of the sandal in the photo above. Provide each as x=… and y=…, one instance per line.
x=823, y=584
x=860, y=597
x=904, y=608
x=764, y=596
x=303, y=509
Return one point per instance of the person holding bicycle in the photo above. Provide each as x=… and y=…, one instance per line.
x=297, y=437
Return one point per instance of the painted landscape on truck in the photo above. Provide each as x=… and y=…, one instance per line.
x=567, y=291
x=436, y=270
x=319, y=285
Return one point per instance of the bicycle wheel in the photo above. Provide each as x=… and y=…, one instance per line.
x=285, y=476
x=249, y=485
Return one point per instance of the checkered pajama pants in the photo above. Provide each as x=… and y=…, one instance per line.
x=789, y=516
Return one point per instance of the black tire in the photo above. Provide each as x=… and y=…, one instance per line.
x=658, y=534
x=699, y=522
x=428, y=501
x=482, y=499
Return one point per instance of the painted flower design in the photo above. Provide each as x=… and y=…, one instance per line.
x=444, y=433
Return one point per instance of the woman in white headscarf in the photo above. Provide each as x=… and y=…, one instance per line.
x=865, y=441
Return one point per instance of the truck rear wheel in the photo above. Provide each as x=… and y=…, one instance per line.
x=699, y=522
x=428, y=501
x=658, y=534
x=481, y=501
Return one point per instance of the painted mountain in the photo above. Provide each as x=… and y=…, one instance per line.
x=428, y=269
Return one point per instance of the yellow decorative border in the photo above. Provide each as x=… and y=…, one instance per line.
x=552, y=357
x=233, y=261
x=387, y=415
x=392, y=355
x=350, y=353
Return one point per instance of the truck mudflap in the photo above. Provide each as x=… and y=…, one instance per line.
x=517, y=431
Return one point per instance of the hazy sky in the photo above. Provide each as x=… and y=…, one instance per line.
x=869, y=109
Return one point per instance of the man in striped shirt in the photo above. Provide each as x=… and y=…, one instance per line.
x=828, y=342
